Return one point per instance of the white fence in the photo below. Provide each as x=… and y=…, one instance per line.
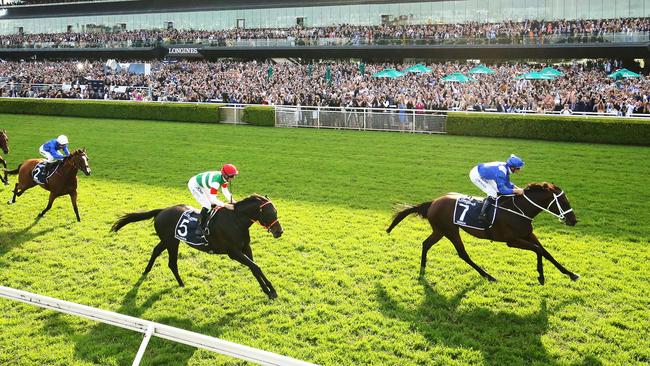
x=366, y=119
x=149, y=329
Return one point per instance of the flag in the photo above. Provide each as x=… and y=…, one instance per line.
x=309, y=70
x=269, y=73
x=362, y=68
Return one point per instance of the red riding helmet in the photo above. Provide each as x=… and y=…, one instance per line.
x=229, y=170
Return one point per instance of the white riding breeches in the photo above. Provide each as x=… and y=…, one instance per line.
x=202, y=195
x=48, y=157
x=486, y=185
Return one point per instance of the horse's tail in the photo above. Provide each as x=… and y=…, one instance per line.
x=134, y=217
x=420, y=209
x=15, y=171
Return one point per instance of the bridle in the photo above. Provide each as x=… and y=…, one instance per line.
x=561, y=212
x=267, y=227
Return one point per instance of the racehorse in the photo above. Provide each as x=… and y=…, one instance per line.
x=63, y=181
x=227, y=234
x=512, y=225
x=4, y=145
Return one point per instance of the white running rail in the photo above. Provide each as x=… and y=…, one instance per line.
x=149, y=329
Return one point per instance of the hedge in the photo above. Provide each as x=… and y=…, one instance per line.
x=614, y=130
x=259, y=115
x=113, y=109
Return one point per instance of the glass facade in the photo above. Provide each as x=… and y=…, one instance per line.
x=458, y=11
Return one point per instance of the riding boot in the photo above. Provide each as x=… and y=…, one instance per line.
x=203, y=217
x=482, y=217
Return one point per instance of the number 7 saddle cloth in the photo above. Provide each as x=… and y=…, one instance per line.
x=186, y=228
x=467, y=210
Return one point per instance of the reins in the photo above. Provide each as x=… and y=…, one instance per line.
x=561, y=215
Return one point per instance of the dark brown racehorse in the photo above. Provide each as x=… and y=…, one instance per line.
x=228, y=234
x=63, y=181
x=512, y=225
x=4, y=146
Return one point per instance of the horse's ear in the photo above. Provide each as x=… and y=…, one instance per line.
x=267, y=197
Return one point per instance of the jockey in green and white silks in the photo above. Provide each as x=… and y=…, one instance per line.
x=205, y=188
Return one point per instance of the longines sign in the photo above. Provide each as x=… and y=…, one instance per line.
x=187, y=52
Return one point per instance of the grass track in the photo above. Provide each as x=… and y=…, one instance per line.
x=348, y=293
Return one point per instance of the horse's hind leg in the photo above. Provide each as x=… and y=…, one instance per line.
x=460, y=248
x=154, y=254
x=172, y=250
x=426, y=245
x=3, y=178
x=17, y=193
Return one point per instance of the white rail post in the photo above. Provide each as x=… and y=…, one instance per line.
x=143, y=345
x=318, y=118
x=365, y=113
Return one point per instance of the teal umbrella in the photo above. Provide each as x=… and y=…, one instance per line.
x=481, y=69
x=388, y=73
x=549, y=71
x=419, y=68
x=624, y=73
x=534, y=75
x=457, y=77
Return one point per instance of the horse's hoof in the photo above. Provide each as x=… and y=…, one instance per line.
x=491, y=279
x=574, y=276
x=422, y=270
x=541, y=280
x=273, y=295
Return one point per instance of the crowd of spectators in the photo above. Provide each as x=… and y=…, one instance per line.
x=583, y=88
x=508, y=31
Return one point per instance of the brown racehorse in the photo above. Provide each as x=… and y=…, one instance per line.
x=228, y=234
x=63, y=181
x=4, y=145
x=512, y=225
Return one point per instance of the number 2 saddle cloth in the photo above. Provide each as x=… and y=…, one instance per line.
x=467, y=210
x=40, y=174
x=186, y=228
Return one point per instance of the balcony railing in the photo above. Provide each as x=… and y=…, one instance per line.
x=609, y=38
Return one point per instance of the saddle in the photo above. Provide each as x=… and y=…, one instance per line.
x=43, y=171
x=468, y=209
x=186, y=227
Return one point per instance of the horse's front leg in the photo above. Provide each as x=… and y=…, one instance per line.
x=249, y=253
x=4, y=178
x=534, y=245
x=240, y=257
x=49, y=205
x=73, y=199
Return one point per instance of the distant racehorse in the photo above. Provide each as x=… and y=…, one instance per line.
x=4, y=145
x=63, y=181
x=228, y=234
x=512, y=225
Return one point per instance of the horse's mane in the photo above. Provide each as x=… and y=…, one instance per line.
x=252, y=197
x=542, y=186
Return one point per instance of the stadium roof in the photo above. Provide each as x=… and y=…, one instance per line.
x=83, y=8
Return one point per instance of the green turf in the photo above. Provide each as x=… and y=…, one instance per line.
x=349, y=294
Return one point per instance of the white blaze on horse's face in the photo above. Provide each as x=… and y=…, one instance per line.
x=86, y=167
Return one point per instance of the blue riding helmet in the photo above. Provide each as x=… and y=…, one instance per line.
x=515, y=162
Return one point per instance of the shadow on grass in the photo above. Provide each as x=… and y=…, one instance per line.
x=12, y=239
x=502, y=338
x=110, y=345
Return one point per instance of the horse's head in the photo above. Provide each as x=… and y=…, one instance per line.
x=262, y=210
x=79, y=160
x=4, y=141
x=551, y=198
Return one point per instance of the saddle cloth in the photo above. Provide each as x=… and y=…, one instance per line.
x=467, y=210
x=39, y=172
x=186, y=227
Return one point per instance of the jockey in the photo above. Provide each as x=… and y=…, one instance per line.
x=50, y=150
x=205, y=187
x=494, y=178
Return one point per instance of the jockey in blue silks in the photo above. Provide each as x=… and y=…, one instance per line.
x=50, y=150
x=494, y=179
